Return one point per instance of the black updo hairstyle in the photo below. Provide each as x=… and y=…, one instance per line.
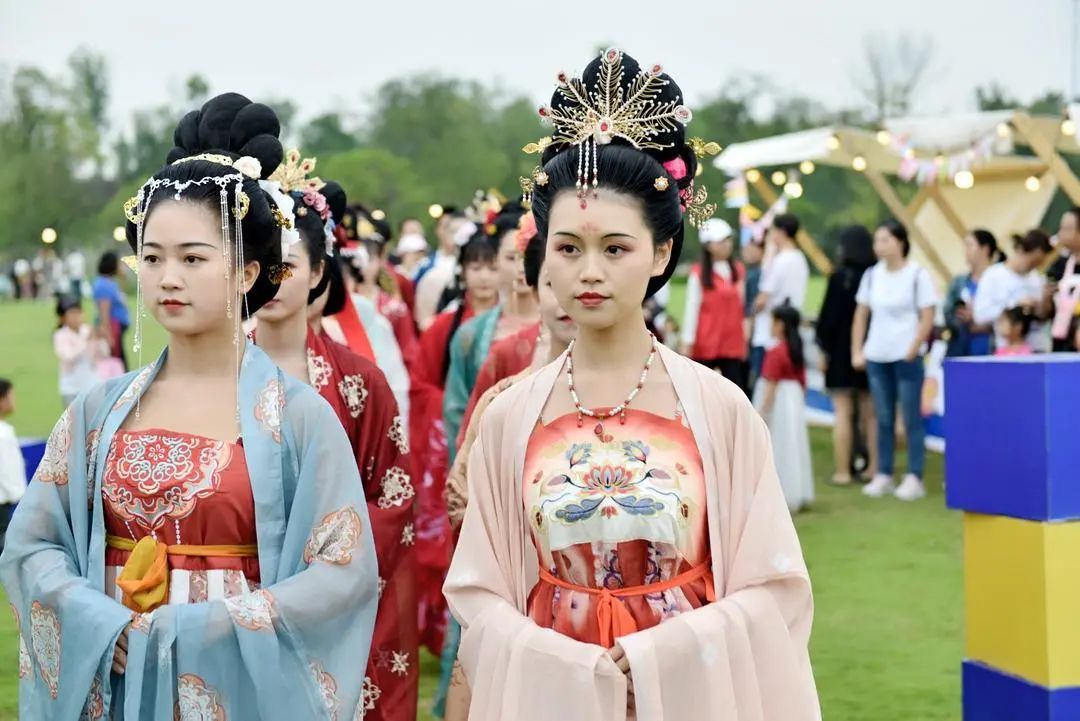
x=310, y=225
x=627, y=170
x=335, y=294
x=535, y=251
x=233, y=126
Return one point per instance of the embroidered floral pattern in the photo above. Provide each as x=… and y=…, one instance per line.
x=335, y=538
x=26, y=666
x=594, y=497
x=268, y=406
x=153, y=478
x=92, y=439
x=94, y=708
x=327, y=689
x=195, y=701
x=134, y=390
x=45, y=640
x=369, y=695
x=398, y=435
x=253, y=611
x=396, y=488
x=399, y=664
x=408, y=534
x=319, y=370
x=53, y=466
x=354, y=393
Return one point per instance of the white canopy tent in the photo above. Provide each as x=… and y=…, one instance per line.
x=1001, y=198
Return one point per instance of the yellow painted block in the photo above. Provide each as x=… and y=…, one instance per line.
x=1022, y=597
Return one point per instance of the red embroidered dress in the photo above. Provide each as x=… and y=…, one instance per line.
x=181, y=489
x=427, y=434
x=610, y=515
x=360, y=396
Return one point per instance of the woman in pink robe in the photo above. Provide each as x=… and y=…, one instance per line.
x=628, y=545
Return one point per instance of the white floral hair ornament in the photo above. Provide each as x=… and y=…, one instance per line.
x=249, y=166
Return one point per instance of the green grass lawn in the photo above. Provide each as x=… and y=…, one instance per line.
x=888, y=588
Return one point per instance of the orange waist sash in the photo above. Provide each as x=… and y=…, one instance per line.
x=144, y=579
x=613, y=617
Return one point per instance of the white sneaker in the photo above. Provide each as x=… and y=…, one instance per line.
x=879, y=486
x=912, y=489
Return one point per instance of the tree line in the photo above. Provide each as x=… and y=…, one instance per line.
x=420, y=140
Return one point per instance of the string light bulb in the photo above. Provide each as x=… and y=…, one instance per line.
x=1032, y=183
x=779, y=177
x=48, y=236
x=858, y=163
x=435, y=211
x=884, y=137
x=833, y=143
x=807, y=167
x=119, y=234
x=1068, y=127
x=378, y=214
x=964, y=179
x=753, y=175
x=1003, y=130
x=793, y=189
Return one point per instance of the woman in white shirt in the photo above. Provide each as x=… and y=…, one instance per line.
x=1016, y=282
x=896, y=298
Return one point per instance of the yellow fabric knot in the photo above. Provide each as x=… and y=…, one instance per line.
x=144, y=579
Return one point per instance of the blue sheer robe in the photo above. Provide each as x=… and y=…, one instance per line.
x=296, y=649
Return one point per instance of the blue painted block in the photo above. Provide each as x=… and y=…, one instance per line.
x=1013, y=437
x=990, y=695
x=32, y=452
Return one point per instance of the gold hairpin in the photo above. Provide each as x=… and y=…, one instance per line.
x=702, y=148
x=280, y=273
x=243, y=203
x=661, y=183
x=698, y=209
x=293, y=173
x=537, y=147
x=208, y=157
x=129, y=209
x=279, y=217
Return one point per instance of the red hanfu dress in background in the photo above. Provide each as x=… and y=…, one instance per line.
x=362, y=400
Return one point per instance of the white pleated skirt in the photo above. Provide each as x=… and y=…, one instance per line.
x=791, y=442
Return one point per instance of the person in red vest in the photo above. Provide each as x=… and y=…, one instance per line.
x=713, y=332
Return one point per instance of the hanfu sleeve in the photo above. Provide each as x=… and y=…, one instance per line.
x=516, y=669
x=297, y=648
x=67, y=626
x=743, y=657
x=387, y=472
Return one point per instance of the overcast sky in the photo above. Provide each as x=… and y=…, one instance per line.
x=331, y=55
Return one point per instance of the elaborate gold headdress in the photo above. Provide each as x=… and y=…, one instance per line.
x=610, y=108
